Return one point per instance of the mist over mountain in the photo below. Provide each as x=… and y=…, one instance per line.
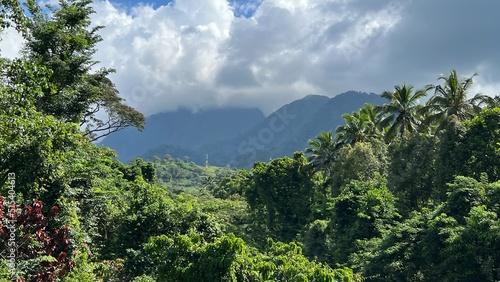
x=238, y=137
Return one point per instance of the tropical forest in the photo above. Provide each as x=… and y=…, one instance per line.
x=408, y=190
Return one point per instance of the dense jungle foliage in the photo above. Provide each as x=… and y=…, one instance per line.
x=401, y=192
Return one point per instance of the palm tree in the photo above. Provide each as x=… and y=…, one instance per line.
x=400, y=115
x=357, y=128
x=450, y=100
x=373, y=114
x=492, y=102
x=323, y=152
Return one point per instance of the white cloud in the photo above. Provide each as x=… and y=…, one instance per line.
x=194, y=55
x=166, y=57
x=486, y=83
x=198, y=54
x=11, y=43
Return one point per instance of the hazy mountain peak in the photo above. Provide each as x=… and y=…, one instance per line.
x=235, y=136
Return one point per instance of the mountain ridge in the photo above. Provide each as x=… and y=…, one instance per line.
x=256, y=138
x=182, y=128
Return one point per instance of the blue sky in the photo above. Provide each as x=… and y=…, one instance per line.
x=242, y=8
x=245, y=8
x=201, y=54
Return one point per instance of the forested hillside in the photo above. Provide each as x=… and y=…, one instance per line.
x=182, y=132
x=402, y=191
x=237, y=137
x=287, y=129
x=183, y=176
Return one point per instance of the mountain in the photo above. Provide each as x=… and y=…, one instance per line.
x=176, y=152
x=238, y=137
x=182, y=131
x=288, y=129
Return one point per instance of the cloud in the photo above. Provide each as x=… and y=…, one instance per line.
x=165, y=57
x=11, y=43
x=265, y=53
x=187, y=55
x=434, y=37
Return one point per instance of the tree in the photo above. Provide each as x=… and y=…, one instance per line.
x=362, y=161
x=227, y=183
x=474, y=252
x=469, y=149
x=400, y=114
x=282, y=191
x=65, y=44
x=362, y=211
x=398, y=257
x=40, y=254
x=322, y=152
x=449, y=157
x=481, y=145
x=374, y=116
x=411, y=170
x=40, y=153
x=11, y=14
x=456, y=241
x=187, y=258
x=317, y=240
x=138, y=168
x=492, y=102
x=450, y=100
x=228, y=259
x=357, y=128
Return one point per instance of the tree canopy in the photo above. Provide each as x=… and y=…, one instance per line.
x=401, y=192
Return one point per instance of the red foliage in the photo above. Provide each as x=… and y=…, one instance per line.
x=34, y=240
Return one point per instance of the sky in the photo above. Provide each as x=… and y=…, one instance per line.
x=200, y=54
